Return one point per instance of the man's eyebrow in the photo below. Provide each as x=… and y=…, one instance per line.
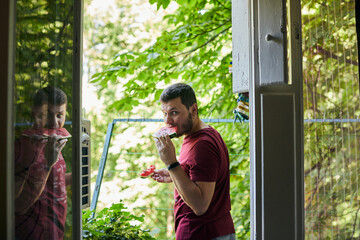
x=171, y=109
x=60, y=111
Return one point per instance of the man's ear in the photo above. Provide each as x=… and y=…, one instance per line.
x=194, y=110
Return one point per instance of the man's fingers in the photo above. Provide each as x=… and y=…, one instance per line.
x=62, y=143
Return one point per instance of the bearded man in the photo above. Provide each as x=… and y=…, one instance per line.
x=201, y=174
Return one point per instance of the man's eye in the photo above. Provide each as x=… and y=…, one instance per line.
x=174, y=113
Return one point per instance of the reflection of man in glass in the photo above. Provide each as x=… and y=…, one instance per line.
x=40, y=180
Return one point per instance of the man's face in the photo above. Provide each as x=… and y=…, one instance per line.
x=40, y=116
x=56, y=116
x=176, y=115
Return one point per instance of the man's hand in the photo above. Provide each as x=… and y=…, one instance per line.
x=166, y=149
x=161, y=176
x=53, y=148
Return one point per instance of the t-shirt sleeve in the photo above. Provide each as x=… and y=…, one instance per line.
x=204, y=162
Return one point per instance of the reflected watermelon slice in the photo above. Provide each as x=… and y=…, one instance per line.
x=166, y=131
x=44, y=133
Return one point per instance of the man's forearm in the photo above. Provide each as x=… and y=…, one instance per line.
x=20, y=179
x=31, y=190
x=196, y=195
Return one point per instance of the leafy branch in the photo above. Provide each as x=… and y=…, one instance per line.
x=113, y=223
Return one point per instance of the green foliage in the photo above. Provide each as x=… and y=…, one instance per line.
x=107, y=35
x=113, y=223
x=157, y=198
x=330, y=59
x=44, y=56
x=236, y=137
x=195, y=49
x=193, y=46
x=331, y=91
x=44, y=31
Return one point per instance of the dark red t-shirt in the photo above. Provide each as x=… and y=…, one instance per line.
x=204, y=157
x=40, y=211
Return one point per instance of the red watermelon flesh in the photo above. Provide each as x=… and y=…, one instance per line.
x=166, y=131
x=147, y=172
x=44, y=133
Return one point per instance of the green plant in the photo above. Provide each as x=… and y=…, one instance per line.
x=113, y=223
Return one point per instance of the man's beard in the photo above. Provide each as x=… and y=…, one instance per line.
x=186, y=127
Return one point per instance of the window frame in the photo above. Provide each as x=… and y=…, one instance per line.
x=7, y=56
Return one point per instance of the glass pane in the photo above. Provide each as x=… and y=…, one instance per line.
x=43, y=107
x=331, y=112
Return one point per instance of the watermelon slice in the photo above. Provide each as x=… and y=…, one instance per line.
x=44, y=133
x=166, y=131
x=147, y=172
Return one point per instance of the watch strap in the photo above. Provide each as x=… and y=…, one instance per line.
x=173, y=165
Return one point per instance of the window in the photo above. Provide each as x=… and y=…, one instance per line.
x=46, y=155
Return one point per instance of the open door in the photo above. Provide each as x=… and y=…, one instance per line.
x=276, y=118
x=276, y=121
x=41, y=48
x=7, y=18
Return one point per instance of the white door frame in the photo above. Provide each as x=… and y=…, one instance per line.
x=276, y=113
x=276, y=121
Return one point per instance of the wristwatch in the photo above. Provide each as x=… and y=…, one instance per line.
x=173, y=165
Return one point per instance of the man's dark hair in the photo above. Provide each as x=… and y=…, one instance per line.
x=51, y=95
x=182, y=90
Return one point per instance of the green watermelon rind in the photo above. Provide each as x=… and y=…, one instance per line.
x=166, y=130
x=173, y=135
x=44, y=133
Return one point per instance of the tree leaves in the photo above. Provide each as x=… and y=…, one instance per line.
x=194, y=47
x=190, y=51
x=113, y=223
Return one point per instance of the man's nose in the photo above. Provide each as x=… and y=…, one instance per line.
x=168, y=120
x=52, y=122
